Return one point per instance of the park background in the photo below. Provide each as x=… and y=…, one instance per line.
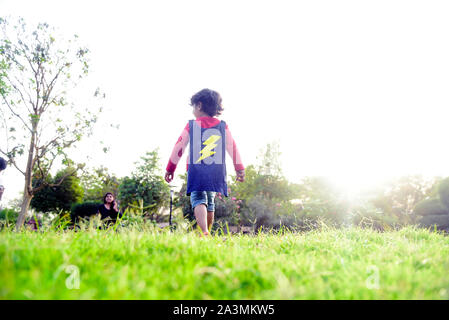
x=353, y=91
x=338, y=110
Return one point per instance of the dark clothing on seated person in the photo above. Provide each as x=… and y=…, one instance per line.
x=105, y=213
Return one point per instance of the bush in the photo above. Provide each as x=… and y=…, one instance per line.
x=430, y=207
x=443, y=190
x=85, y=209
x=182, y=201
x=226, y=210
x=440, y=221
x=398, y=197
x=8, y=216
x=57, y=198
x=145, y=183
x=367, y=215
x=259, y=213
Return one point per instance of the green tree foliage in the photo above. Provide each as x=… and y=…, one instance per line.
x=181, y=200
x=269, y=186
x=320, y=198
x=145, y=183
x=269, y=161
x=37, y=69
x=399, y=197
x=97, y=182
x=263, y=200
x=430, y=207
x=434, y=211
x=265, y=179
x=394, y=203
x=443, y=191
x=8, y=216
x=58, y=194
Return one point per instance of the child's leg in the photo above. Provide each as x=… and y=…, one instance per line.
x=210, y=209
x=199, y=203
x=210, y=219
x=201, y=215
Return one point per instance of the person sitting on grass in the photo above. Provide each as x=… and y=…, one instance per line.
x=209, y=140
x=3, y=164
x=109, y=209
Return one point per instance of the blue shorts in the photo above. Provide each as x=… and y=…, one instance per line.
x=203, y=197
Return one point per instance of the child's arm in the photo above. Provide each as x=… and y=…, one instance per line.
x=232, y=150
x=176, y=154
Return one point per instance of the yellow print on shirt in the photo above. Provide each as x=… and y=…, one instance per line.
x=210, y=143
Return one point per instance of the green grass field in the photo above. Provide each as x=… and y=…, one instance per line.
x=323, y=264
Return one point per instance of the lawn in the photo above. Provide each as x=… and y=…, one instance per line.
x=158, y=264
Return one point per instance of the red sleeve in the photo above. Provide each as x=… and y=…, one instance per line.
x=178, y=150
x=232, y=150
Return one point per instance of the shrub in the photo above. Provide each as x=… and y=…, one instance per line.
x=430, y=207
x=226, y=210
x=145, y=183
x=182, y=201
x=398, y=197
x=258, y=212
x=367, y=215
x=294, y=217
x=57, y=198
x=440, y=221
x=85, y=209
x=8, y=216
x=443, y=191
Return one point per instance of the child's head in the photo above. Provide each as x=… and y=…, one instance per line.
x=208, y=101
x=3, y=164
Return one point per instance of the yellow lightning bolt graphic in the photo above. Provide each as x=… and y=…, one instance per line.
x=209, y=145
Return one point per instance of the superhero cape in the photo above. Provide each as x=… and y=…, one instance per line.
x=206, y=169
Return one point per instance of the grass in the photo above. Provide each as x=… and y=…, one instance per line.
x=323, y=264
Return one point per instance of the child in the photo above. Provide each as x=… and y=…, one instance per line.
x=209, y=140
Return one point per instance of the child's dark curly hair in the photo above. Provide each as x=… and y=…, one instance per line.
x=3, y=164
x=210, y=102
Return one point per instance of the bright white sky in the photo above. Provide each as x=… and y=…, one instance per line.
x=353, y=90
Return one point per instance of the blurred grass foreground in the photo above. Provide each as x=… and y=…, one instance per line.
x=325, y=263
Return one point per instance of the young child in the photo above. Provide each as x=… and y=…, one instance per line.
x=209, y=139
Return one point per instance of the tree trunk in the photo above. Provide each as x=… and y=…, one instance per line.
x=23, y=209
x=28, y=189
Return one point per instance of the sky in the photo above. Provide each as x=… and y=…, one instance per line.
x=356, y=91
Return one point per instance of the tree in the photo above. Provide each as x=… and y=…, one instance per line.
x=146, y=183
x=399, y=197
x=266, y=178
x=56, y=198
x=38, y=70
x=269, y=159
x=265, y=190
x=98, y=182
